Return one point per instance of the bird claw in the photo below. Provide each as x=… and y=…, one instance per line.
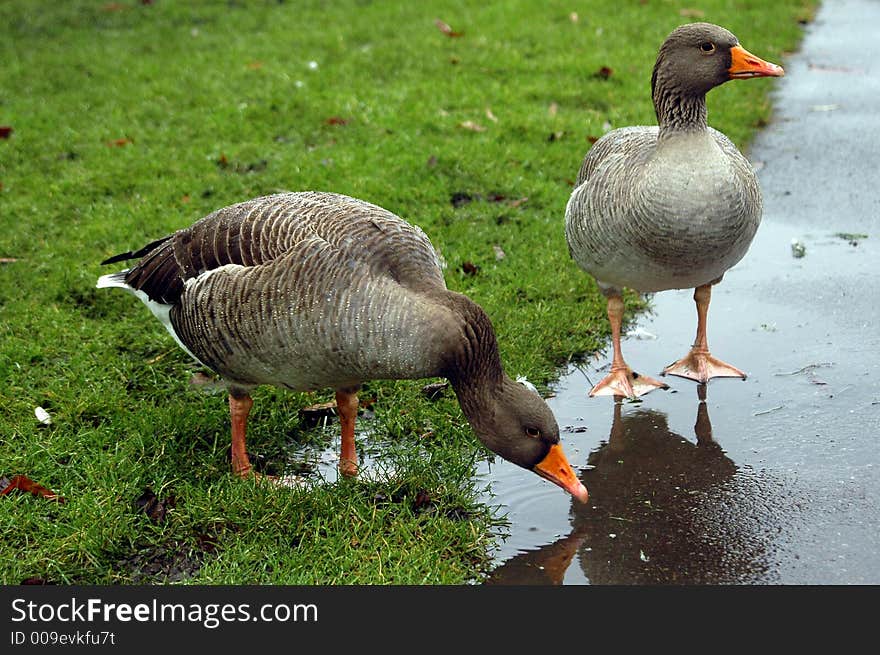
x=348, y=468
x=623, y=381
x=700, y=366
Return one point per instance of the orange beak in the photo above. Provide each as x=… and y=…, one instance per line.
x=555, y=467
x=745, y=65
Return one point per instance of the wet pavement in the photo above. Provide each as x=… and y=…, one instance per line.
x=771, y=480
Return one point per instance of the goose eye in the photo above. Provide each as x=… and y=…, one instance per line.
x=533, y=432
x=707, y=47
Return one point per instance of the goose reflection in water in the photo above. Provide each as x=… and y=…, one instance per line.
x=659, y=512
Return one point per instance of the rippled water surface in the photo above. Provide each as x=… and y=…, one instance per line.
x=771, y=479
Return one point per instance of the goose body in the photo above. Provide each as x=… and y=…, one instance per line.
x=655, y=216
x=670, y=206
x=312, y=290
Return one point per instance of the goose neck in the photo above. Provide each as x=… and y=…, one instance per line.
x=677, y=109
x=474, y=363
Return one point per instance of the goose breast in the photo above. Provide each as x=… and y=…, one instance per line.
x=653, y=218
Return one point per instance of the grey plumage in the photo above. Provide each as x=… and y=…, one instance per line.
x=670, y=206
x=311, y=290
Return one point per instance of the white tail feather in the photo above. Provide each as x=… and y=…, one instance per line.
x=161, y=311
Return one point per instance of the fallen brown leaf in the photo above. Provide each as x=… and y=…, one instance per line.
x=604, y=73
x=118, y=143
x=36, y=580
x=152, y=506
x=422, y=499
x=5, y=131
x=24, y=483
x=448, y=31
x=469, y=268
x=518, y=202
x=255, y=65
x=336, y=120
x=320, y=408
x=460, y=198
x=435, y=390
x=592, y=139
x=317, y=414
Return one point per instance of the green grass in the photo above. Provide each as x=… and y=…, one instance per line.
x=133, y=120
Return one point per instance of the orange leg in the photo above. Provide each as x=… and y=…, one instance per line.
x=622, y=380
x=239, y=408
x=699, y=364
x=347, y=408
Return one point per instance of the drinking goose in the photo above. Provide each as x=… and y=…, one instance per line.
x=671, y=206
x=312, y=290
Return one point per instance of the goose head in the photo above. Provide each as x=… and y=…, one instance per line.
x=700, y=56
x=694, y=59
x=514, y=422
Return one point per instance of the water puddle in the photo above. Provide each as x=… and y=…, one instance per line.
x=762, y=480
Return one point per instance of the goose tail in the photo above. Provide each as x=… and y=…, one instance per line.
x=135, y=254
x=113, y=280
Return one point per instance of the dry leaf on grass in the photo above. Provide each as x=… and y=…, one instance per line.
x=24, y=483
x=448, y=31
x=154, y=507
x=469, y=268
x=435, y=390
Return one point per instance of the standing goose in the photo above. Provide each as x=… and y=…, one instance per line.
x=671, y=206
x=313, y=290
